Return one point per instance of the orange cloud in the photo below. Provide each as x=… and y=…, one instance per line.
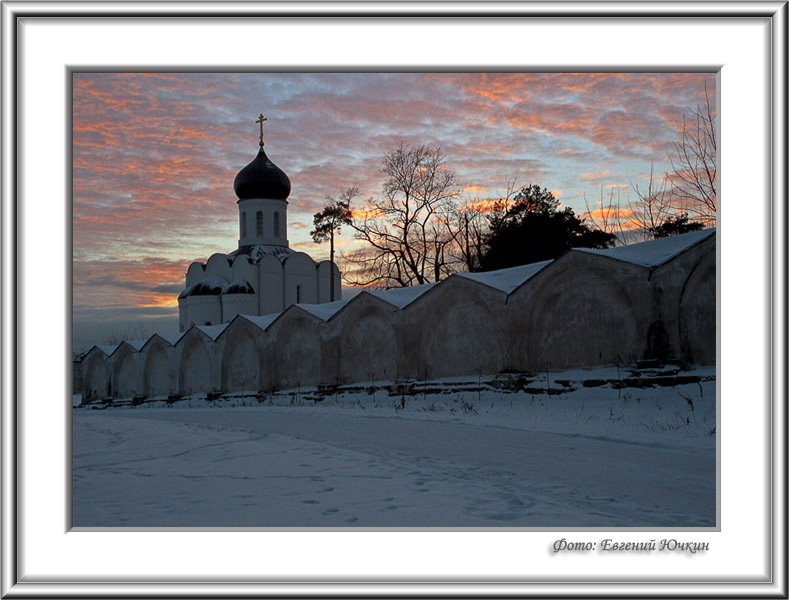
x=597, y=175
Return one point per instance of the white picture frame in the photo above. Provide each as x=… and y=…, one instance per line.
x=42, y=43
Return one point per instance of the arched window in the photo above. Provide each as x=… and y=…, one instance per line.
x=208, y=322
x=298, y=294
x=276, y=224
x=259, y=222
x=243, y=224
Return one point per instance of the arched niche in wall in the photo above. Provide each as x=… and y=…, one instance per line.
x=240, y=369
x=581, y=317
x=126, y=380
x=697, y=314
x=460, y=334
x=194, y=372
x=156, y=370
x=298, y=350
x=368, y=347
x=97, y=380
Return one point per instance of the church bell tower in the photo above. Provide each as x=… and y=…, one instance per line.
x=262, y=189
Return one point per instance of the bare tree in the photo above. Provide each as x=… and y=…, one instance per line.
x=136, y=331
x=694, y=166
x=469, y=223
x=652, y=205
x=328, y=222
x=467, y=226
x=406, y=237
x=609, y=217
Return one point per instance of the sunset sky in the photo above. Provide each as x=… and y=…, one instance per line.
x=155, y=154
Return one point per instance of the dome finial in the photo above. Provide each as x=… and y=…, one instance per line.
x=260, y=120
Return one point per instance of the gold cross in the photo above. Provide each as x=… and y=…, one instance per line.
x=260, y=120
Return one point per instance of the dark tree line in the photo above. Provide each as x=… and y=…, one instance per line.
x=533, y=228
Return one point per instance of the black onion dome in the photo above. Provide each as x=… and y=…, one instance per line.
x=262, y=179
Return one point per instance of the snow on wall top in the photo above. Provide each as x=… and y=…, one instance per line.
x=403, y=296
x=170, y=338
x=262, y=321
x=212, y=331
x=654, y=252
x=108, y=350
x=136, y=344
x=507, y=280
x=324, y=311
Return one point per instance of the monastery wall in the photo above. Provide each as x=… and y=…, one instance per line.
x=586, y=308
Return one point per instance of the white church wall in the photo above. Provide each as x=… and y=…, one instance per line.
x=301, y=280
x=238, y=304
x=183, y=314
x=272, y=286
x=195, y=273
x=218, y=264
x=243, y=269
x=268, y=209
x=204, y=310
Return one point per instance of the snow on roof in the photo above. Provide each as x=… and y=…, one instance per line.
x=256, y=253
x=262, y=321
x=108, y=350
x=210, y=286
x=653, y=252
x=212, y=331
x=507, y=280
x=324, y=311
x=171, y=338
x=401, y=296
x=136, y=344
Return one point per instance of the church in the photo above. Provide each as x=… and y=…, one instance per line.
x=264, y=275
x=265, y=317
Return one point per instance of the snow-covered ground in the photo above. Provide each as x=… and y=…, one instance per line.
x=600, y=448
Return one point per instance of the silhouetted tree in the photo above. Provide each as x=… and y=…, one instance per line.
x=328, y=222
x=533, y=228
x=675, y=225
x=652, y=206
x=405, y=228
x=136, y=331
x=694, y=164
